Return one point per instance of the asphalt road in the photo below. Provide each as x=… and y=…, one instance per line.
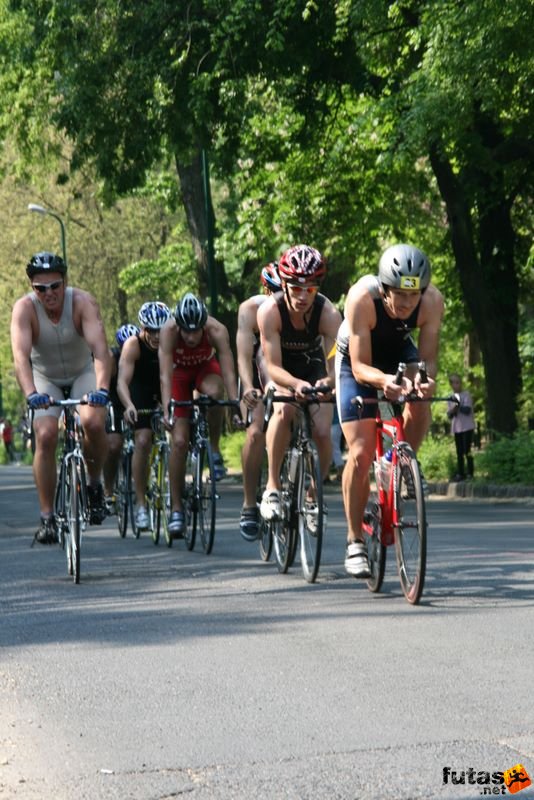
x=168, y=673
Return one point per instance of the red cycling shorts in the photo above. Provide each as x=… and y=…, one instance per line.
x=186, y=379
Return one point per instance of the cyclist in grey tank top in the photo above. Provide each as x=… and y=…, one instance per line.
x=60, y=349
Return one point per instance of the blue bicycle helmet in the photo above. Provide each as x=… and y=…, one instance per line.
x=270, y=277
x=124, y=333
x=154, y=315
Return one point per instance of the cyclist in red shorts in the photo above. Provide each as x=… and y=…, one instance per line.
x=194, y=354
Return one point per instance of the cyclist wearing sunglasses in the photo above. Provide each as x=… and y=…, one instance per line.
x=138, y=386
x=60, y=349
x=251, y=368
x=298, y=327
x=381, y=314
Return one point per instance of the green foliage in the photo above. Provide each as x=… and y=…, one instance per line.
x=508, y=460
x=437, y=457
x=231, y=447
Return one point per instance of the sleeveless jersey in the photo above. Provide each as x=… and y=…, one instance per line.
x=146, y=370
x=60, y=354
x=302, y=350
x=184, y=356
x=391, y=338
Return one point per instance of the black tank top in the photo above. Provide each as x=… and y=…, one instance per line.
x=146, y=371
x=302, y=350
x=390, y=336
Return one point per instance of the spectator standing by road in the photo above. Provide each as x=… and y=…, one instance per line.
x=7, y=436
x=462, y=428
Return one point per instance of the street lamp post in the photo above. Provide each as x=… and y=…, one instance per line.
x=41, y=210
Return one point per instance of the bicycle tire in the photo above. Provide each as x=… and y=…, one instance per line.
x=283, y=531
x=376, y=551
x=310, y=512
x=59, y=505
x=163, y=509
x=206, y=499
x=75, y=517
x=190, y=501
x=410, y=534
x=121, y=493
x=265, y=539
x=153, y=500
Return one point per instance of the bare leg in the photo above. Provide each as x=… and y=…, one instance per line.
x=44, y=461
x=140, y=460
x=178, y=461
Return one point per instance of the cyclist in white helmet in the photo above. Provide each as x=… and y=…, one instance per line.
x=138, y=386
x=381, y=313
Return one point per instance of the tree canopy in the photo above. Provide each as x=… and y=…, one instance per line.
x=351, y=124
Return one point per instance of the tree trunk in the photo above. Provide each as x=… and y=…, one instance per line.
x=489, y=283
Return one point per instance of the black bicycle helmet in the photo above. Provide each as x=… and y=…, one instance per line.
x=45, y=262
x=404, y=266
x=190, y=313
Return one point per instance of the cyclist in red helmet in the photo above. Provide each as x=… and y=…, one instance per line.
x=298, y=327
x=253, y=379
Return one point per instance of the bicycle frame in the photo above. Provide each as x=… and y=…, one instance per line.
x=387, y=498
x=71, y=502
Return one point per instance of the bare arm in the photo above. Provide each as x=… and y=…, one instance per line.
x=21, y=344
x=167, y=344
x=92, y=330
x=328, y=328
x=220, y=339
x=247, y=327
x=430, y=319
x=129, y=355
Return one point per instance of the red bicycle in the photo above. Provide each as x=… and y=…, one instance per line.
x=396, y=515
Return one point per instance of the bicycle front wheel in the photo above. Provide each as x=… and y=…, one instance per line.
x=283, y=530
x=163, y=509
x=376, y=551
x=410, y=532
x=310, y=510
x=206, y=499
x=122, y=490
x=75, y=519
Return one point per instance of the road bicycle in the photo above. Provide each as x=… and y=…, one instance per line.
x=302, y=522
x=124, y=484
x=158, y=497
x=71, y=504
x=200, y=492
x=396, y=514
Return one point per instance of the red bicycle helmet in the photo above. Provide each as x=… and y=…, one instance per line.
x=302, y=264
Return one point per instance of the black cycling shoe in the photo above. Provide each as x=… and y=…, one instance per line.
x=47, y=531
x=97, y=506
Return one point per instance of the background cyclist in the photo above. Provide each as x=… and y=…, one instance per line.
x=138, y=386
x=249, y=361
x=381, y=313
x=298, y=327
x=194, y=355
x=114, y=418
x=59, y=345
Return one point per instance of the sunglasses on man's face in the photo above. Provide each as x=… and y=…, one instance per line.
x=42, y=287
x=296, y=289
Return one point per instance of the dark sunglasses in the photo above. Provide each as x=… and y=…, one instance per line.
x=42, y=287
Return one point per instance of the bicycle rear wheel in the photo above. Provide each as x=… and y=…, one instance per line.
x=75, y=519
x=410, y=534
x=206, y=506
x=310, y=511
x=123, y=484
x=376, y=551
x=284, y=529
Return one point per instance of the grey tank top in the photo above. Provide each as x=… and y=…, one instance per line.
x=60, y=353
